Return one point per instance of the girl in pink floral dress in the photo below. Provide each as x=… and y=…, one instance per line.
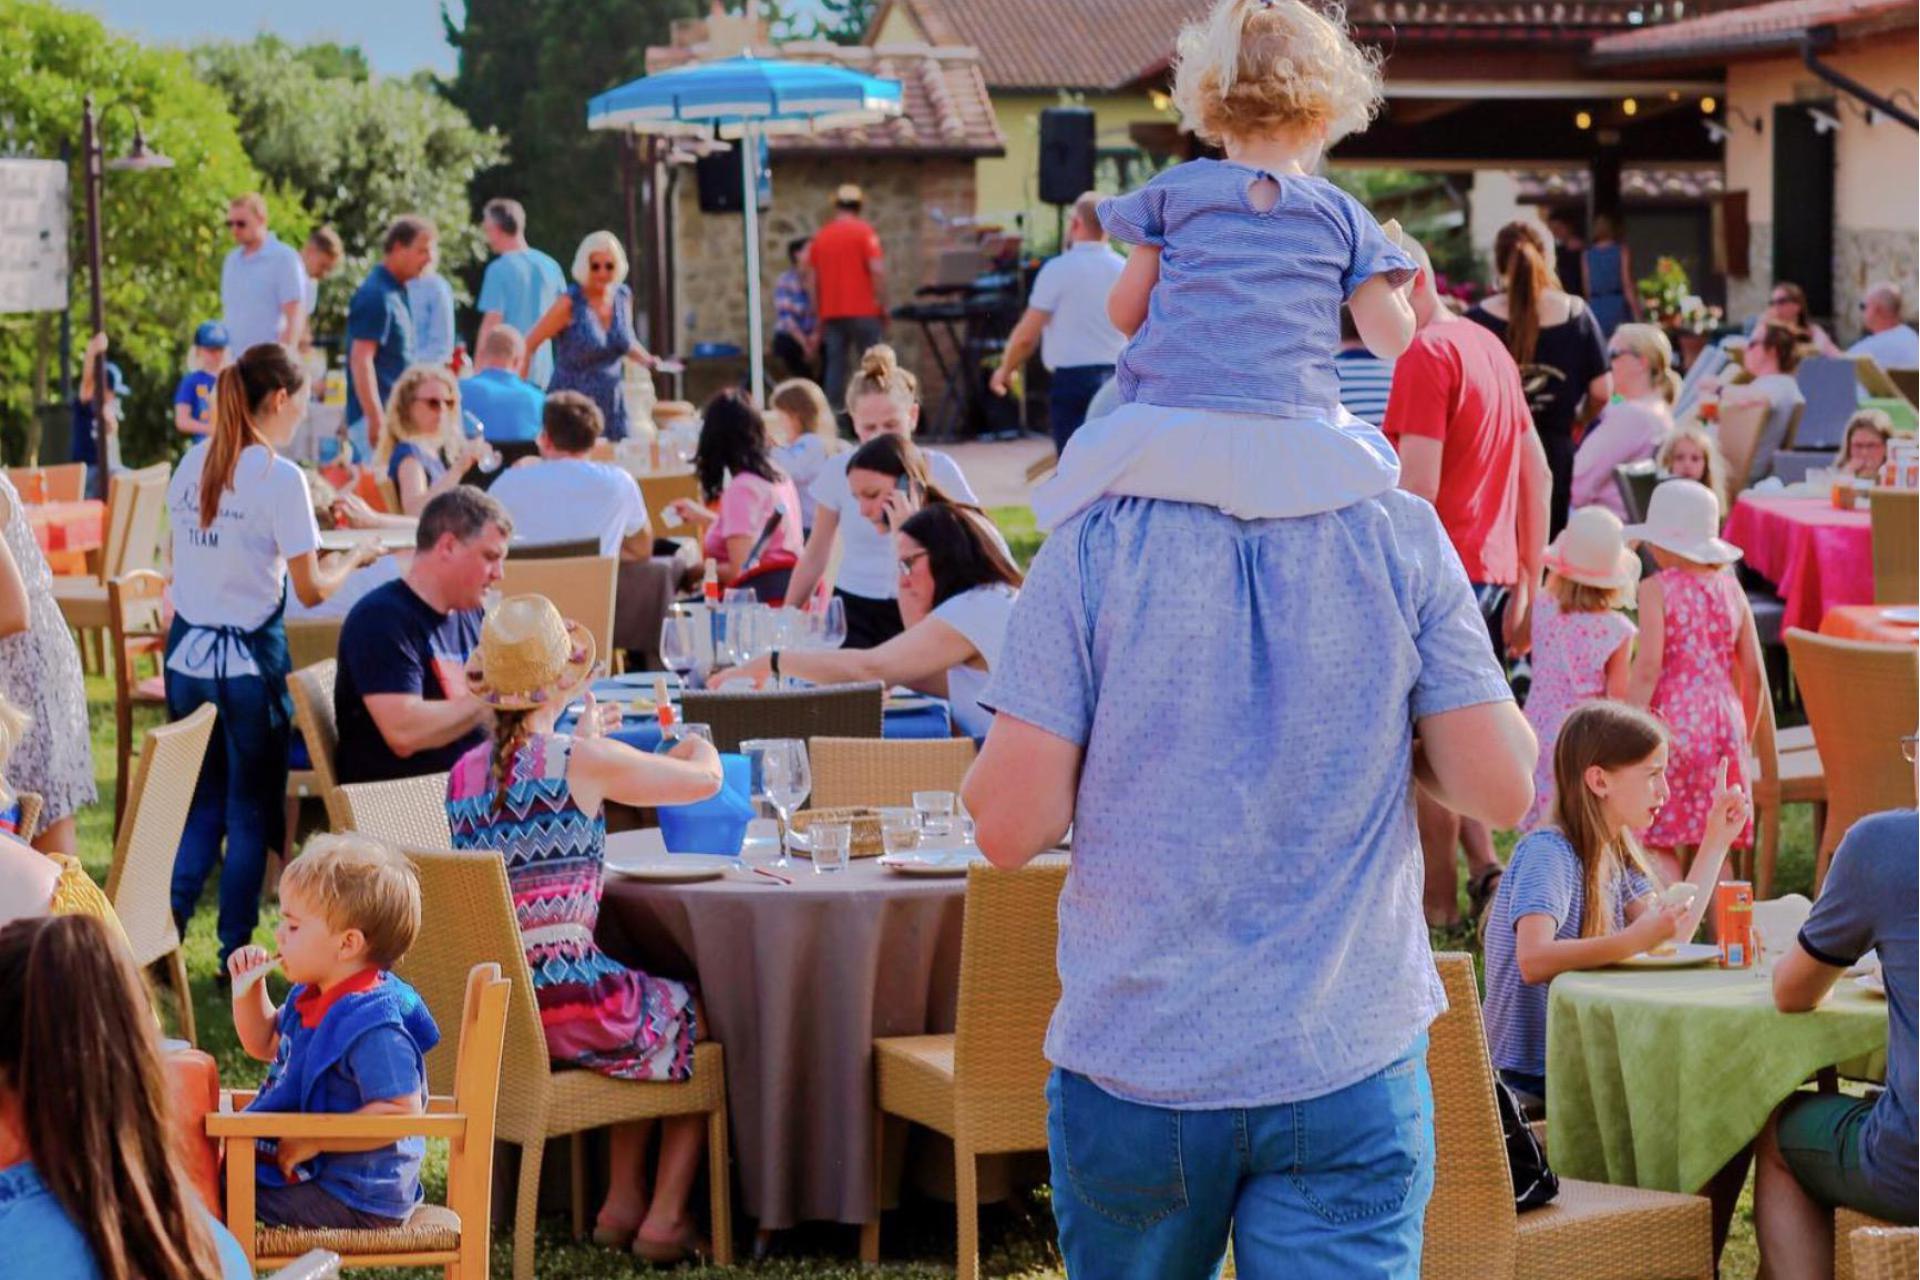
x=1581, y=641
x=1698, y=666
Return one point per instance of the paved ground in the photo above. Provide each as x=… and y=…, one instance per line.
x=997, y=469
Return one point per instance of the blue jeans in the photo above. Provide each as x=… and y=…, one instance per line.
x=241, y=796
x=1072, y=391
x=1333, y=1188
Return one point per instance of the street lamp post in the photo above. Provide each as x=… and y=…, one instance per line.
x=94, y=159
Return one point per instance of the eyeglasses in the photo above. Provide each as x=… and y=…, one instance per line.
x=907, y=562
x=601, y=266
x=1907, y=747
x=238, y=223
x=1615, y=355
x=1780, y=300
x=432, y=402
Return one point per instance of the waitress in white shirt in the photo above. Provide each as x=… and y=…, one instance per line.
x=242, y=527
x=882, y=399
x=957, y=588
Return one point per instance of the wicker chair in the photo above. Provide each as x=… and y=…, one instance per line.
x=1896, y=545
x=1860, y=700
x=137, y=629
x=408, y=812
x=32, y=804
x=1786, y=770
x=581, y=588
x=884, y=771
x=1868, y=1249
x=140, y=885
x=136, y=504
x=662, y=491
x=454, y=1236
x=313, y=640
x=579, y=548
x=829, y=711
x=1592, y=1231
x=984, y=1086
x=468, y=919
x=312, y=690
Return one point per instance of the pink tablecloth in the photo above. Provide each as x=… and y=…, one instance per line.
x=1816, y=556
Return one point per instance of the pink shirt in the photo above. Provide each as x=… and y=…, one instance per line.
x=1628, y=431
x=745, y=504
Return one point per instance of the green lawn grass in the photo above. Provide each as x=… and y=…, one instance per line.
x=1017, y=1238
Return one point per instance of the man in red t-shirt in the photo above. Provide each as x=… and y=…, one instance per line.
x=846, y=281
x=1458, y=416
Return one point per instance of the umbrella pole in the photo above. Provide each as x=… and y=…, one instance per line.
x=750, y=203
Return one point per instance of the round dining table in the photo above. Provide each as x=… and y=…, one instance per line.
x=1657, y=1078
x=1815, y=555
x=798, y=980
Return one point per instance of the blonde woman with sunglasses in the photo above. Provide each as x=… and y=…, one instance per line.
x=591, y=328
x=422, y=450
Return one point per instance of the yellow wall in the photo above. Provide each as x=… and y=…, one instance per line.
x=1011, y=184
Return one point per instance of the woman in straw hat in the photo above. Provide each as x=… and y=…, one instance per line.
x=1698, y=665
x=1582, y=642
x=537, y=796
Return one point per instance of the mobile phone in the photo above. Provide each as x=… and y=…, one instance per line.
x=901, y=484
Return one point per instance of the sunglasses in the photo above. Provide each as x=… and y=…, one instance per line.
x=1780, y=302
x=601, y=266
x=1615, y=355
x=432, y=402
x=907, y=562
x=238, y=223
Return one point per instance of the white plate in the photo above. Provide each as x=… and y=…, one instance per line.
x=922, y=864
x=348, y=539
x=1685, y=956
x=1872, y=984
x=1909, y=614
x=673, y=868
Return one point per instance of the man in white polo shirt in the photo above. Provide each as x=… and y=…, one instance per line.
x=568, y=497
x=1888, y=338
x=1067, y=316
x=262, y=282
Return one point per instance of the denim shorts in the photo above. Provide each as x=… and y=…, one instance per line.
x=1331, y=1188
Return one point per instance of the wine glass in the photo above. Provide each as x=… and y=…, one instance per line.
x=781, y=778
x=833, y=623
x=679, y=647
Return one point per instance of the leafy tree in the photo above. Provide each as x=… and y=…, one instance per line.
x=844, y=21
x=164, y=229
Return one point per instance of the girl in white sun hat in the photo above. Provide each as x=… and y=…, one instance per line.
x=1582, y=642
x=1698, y=665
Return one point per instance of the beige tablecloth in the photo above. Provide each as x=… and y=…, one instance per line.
x=798, y=980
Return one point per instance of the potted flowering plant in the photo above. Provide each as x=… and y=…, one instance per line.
x=1670, y=302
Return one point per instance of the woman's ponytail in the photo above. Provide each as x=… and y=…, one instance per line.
x=242, y=388
x=1520, y=255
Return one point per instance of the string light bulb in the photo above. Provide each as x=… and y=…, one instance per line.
x=1708, y=106
x=1582, y=120
x=1630, y=106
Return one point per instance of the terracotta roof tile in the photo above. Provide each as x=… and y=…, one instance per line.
x=1719, y=33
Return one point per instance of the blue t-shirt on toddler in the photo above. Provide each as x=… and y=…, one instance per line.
x=1544, y=878
x=1245, y=317
x=364, y=1041
x=196, y=392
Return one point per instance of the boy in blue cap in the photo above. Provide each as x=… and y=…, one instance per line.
x=193, y=398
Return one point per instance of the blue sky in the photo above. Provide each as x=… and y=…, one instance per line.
x=399, y=36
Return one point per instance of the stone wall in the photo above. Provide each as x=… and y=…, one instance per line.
x=1861, y=258
x=902, y=193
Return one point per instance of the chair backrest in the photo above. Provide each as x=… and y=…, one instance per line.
x=408, y=812
x=1636, y=482
x=312, y=690
x=830, y=711
x=140, y=885
x=138, y=545
x=1873, y=377
x=476, y=1090
x=136, y=611
x=1884, y=1253
x=313, y=640
x=66, y=482
x=1008, y=988
x=1860, y=700
x=882, y=772
x=466, y=918
x=390, y=495
x=1739, y=436
x=1907, y=381
x=1896, y=545
x=1831, y=385
x=1471, y=1229
x=1710, y=360
x=581, y=588
x=658, y=491
x=572, y=550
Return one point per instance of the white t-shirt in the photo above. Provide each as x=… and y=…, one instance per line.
x=1073, y=290
x=1895, y=348
x=568, y=499
x=802, y=461
x=233, y=573
x=981, y=616
x=868, y=565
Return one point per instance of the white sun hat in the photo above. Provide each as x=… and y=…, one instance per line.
x=1592, y=551
x=1684, y=518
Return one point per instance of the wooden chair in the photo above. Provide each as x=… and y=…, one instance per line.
x=468, y=919
x=661, y=491
x=578, y=548
x=136, y=625
x=312, y=690
x=136, y=506
x=1592, y=1231
x=1873, y=379
x=140, y=885
x=32, y=804
x=66, y=482
x=1738, y=433
x=455, y=1236
x=984, y=1086
x=1907, y=382
x=830, y=711
x=1636, y=482
x=581, y=588
x=1786, y=770
x=1860, y=700
x=410, y=813
x=1896, y=545
x=880, y=772
x=1868, y=1249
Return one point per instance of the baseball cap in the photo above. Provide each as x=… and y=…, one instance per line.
x=116, y=381
x=212, y=335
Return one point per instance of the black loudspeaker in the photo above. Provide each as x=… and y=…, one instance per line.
x=1066, y=154
x=720, y=183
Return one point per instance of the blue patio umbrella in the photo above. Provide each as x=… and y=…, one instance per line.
x=745, y=99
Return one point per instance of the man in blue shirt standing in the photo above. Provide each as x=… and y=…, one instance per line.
x=380, y=327
x=507, y=405
x=520, y=285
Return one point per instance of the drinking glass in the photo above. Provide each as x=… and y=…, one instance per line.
x=490, y=600
x=781, y=778
x=829, y=843
x=833, y=623
x=736, y=597
x=899, y=830
x=679, y=647
x=934, y=811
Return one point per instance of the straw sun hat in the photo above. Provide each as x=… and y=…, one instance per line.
x=1684, y=518
x=1592, y=552
x=529, y=655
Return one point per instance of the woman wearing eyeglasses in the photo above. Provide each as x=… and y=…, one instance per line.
x=420, y=433
x=591, y=328
x=1787, y=305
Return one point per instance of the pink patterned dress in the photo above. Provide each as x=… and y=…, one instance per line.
x=596, y=1012
x=1698, y=702
x=1570, y=652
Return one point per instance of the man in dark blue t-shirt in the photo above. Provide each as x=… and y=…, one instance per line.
x=400, y=699
x=380, y=340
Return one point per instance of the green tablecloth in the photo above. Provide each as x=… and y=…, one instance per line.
x=1656, y=1079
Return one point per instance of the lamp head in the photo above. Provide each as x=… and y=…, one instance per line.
x=140, y=156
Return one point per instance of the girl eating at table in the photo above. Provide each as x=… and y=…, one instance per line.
x=1698, y=662
x=1579, y=893
x=1690, y=453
